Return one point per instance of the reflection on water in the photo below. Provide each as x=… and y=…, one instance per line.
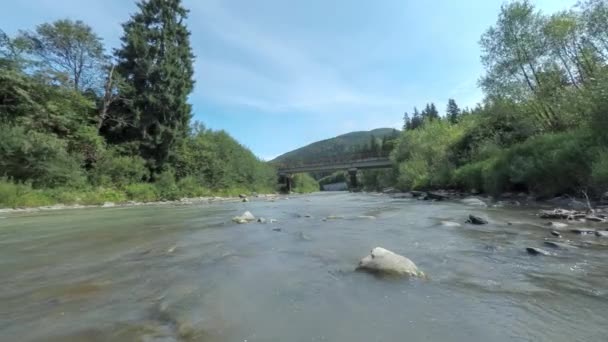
x=190, y=274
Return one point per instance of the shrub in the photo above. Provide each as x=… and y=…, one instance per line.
x=113, y=170
x=304, y=183
x=190, y=187
x=142, y=192
x=166, y=186
x=13, y=195
x=42, y=159
x=599, y=172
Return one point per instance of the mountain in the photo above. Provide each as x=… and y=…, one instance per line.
x=334, y=147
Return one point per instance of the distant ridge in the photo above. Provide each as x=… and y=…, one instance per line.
x=333, y=147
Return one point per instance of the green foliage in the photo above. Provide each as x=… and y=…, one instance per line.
x=112, y=169
x=191, y=187
x=304, y=183
x=65, y=139
x=15, y=195
x=68, y=52
x=422, y=154
x=38, y=158
x=156, y=48
x=141, y=192
x=166, y=186
x=599, y=171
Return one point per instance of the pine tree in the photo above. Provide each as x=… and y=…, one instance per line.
x=406, y=121
x=155, y=61
x=452, y=112
x=417, y=119
x=430, y=112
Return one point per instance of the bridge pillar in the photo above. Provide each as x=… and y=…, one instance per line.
x=287, y=179
x=353, y=177
x=288, y=183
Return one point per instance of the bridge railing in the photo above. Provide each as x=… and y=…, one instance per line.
x=342, y=159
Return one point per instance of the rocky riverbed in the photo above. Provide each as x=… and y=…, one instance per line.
x=188, y=272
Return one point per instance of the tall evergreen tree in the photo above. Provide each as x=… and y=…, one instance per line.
x=406, y=121
x=155, y=61
x=452, y=112
x=417, y=119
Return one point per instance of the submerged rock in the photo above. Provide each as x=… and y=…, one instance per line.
x=261, y=220
x=556, y=234
x=245, y=218
x=556, y=245
x=438, y=196
x=557, y=225
x=418, y=193
x=383, y=261
x=583, y=231
x=476, y=220
x=537, y=251
x=367, y=217
x=474, y=201
x=277, y=229
x=601, y=233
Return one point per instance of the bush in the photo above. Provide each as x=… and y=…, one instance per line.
x=113, y=170
x=304, y=183
x=14, y=195
x=142, y=192
x=42, y=159
x=599, y=172
x=166, y=186
x=190, y=187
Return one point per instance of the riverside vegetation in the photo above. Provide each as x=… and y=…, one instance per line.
x=543, y=125
x=78, y=126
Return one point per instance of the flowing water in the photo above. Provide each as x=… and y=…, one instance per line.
x=187, y=273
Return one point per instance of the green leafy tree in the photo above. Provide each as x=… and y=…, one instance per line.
x=155, y=61
x=68, y=50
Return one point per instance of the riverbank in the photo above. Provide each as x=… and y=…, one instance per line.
x=183, y=201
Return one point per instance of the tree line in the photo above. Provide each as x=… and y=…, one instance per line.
x=78, y=125
x=543, y=124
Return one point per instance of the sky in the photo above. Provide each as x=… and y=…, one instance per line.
x=278, y=75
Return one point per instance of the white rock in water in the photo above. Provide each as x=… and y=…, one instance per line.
x=245, y=218
x=384, y=261
x=367, y=217
x=557, y=225
x=474, y=201
x=108, y=205
x=450, y=224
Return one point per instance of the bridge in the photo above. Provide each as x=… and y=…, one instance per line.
x=352, y=163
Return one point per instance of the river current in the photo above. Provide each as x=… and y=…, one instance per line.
x=188, y=273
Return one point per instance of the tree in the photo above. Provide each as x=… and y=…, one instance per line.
x=155, y=61
x=512, y=53
x=406, y=121
x=430, y=112
x=69, y=49
x=452, y=112
x=417, y=120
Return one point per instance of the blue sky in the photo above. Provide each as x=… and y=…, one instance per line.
x=280, y=74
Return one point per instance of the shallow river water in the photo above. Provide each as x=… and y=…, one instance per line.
x=187, y=273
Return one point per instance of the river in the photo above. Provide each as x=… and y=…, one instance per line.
x=187, y=273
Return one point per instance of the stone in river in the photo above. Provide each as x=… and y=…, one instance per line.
x=383, y=261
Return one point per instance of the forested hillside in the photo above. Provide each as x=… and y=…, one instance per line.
x=80, y=126
x=353, y=142
x=543, y=125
